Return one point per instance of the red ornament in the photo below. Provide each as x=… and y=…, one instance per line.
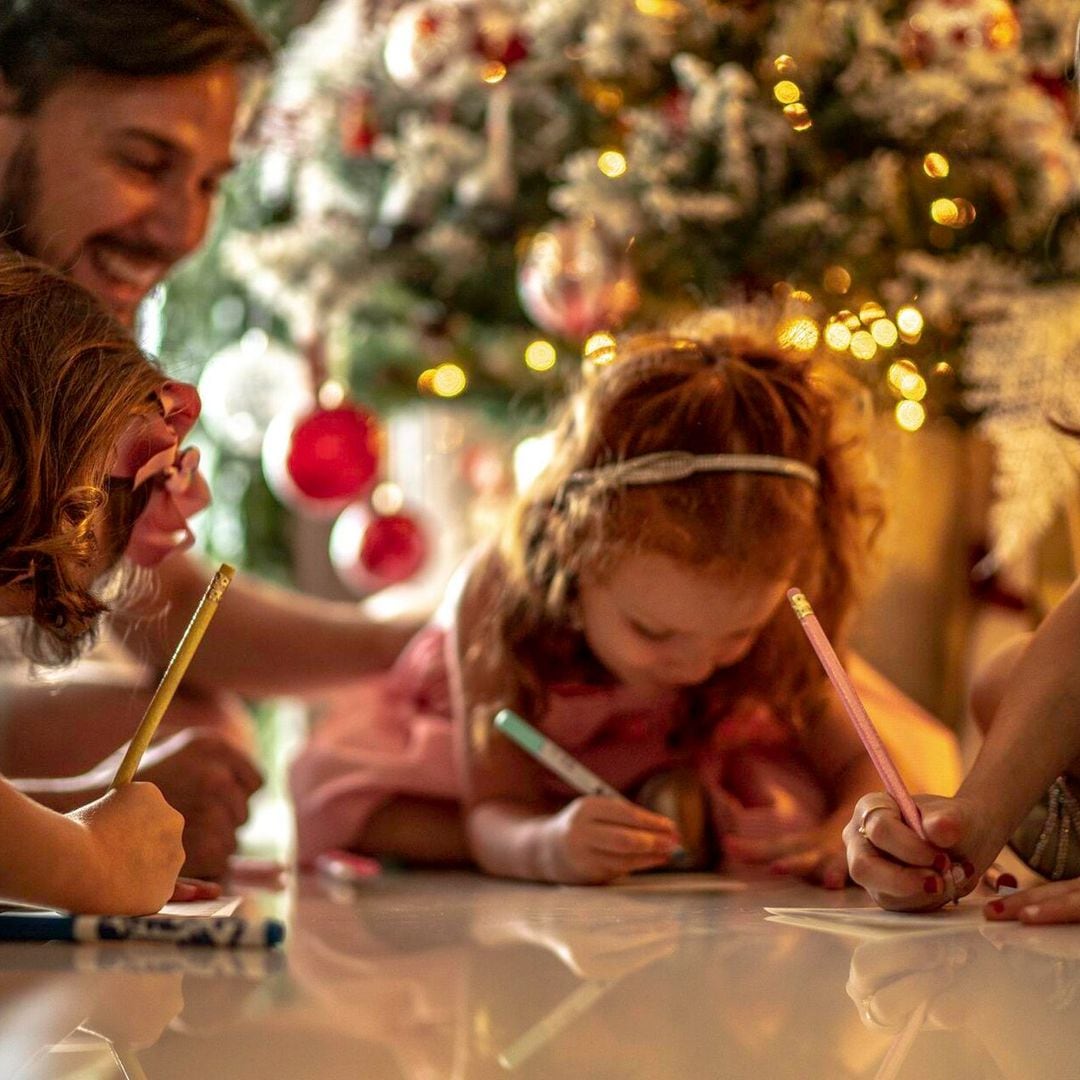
x=370, y=551
x=357, y=125
x=323, y=459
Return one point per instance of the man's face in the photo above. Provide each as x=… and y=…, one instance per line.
x=113, y=179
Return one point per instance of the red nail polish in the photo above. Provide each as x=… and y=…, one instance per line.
x=931, y=885
x=941, y=862
x=997, y=906
x=1007, y=881
x=969, y=870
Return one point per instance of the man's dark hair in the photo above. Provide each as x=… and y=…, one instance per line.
x=45, y=42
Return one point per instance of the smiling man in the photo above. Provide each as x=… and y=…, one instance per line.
x=116, y=127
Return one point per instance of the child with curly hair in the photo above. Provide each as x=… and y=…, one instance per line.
x=90, y=467
x=634, y=611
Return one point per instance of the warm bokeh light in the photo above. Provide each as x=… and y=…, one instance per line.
x=836, y=280
x=884, y=332
x=785, y=65
x=910, y=321
x=331, y=394
x=786, y=92
x=798, y=116
x=910, y=415
x=863, y=346
x=540, y=355
x=871, y=311
x=802, y=334
x=945, y=212
x=595, y=342
x=449, y=380
x=493, y=72
x=936, y=166
x=387, y=498
x=837, y=336
x=612, y=163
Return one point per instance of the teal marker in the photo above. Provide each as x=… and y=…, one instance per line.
x=561, y=763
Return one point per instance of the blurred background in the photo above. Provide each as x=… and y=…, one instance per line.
x=444, y=208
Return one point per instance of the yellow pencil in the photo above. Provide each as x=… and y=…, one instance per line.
x=174, y=672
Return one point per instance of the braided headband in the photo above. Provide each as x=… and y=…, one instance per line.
x=670, y=465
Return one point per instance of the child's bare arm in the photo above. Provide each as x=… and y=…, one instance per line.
x=513, y=828
x=119, y=855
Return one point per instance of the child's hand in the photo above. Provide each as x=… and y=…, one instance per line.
x=596, y=839
x=817, y=854
x=134, y=851
x=902, y=872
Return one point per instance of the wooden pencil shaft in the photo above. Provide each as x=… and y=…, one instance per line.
x=856, y=711
x=174, y=672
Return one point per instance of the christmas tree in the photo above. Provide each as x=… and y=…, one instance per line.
x=462, y=199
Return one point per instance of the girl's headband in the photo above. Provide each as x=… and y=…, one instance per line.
x=671, y=465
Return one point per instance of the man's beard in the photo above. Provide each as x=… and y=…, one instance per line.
x=19, y=198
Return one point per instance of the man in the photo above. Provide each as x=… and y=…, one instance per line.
x=116, y=128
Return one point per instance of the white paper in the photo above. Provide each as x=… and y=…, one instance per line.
x=203, y=909
x=864, y=921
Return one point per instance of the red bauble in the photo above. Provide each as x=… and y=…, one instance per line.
x=357, y=125
x=371, y=551
x=322, y=460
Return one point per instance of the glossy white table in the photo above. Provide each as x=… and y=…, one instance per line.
x=445, y=976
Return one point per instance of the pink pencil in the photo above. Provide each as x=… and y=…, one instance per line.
x=855, y=709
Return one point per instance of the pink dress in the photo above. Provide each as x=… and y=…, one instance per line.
x=395, y=738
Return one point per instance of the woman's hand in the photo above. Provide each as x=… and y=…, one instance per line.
x=903, y=872
x=1054, y=902
x=596, y=839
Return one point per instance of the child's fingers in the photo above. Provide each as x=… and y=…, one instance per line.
x=615, y=840
x=622, y=812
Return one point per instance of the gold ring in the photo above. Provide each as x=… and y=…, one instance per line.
x=866, y=816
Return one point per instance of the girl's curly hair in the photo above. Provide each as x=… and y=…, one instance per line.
x=71, y=380
x=704, y=395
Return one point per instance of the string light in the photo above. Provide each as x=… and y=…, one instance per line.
x=449, y=380
x=863, y=346
x=785, y=65
x=837, y=336
x=798, y=116
x=601, y=340
x=612, y=163
x=540, y=355
x=425, y=383
x=836, y=280
x=910, y=321
x=871, y=311
x=910, y=415
x=936, y=166
x=883, y=331
x=945, y=212
x=493, y=72
x=801, y=334
x=786, y=92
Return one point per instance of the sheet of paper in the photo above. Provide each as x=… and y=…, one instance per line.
x=203, y=909
x=863, y=921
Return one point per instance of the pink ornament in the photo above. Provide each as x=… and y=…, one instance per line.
x=370, y=551
x=574, y=280
x=320, y=461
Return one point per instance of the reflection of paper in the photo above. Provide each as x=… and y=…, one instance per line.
x=676, y=883
x=873, y=921
x=203, y=909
